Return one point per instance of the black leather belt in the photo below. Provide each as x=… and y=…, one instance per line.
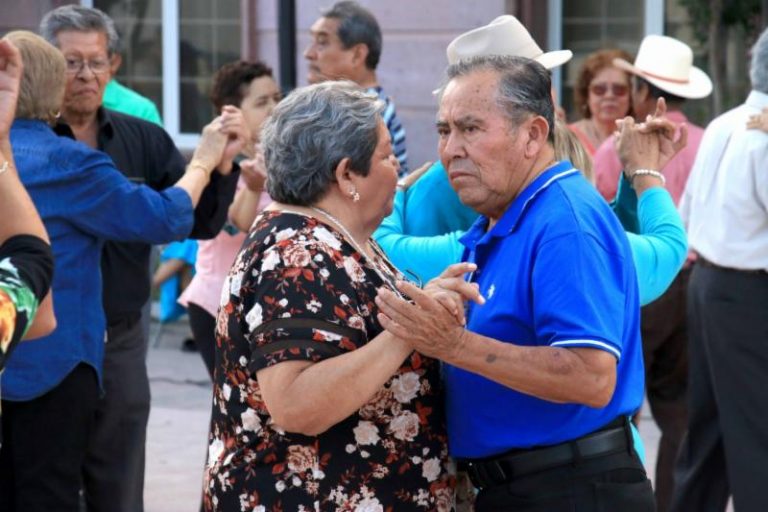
x=503, y=468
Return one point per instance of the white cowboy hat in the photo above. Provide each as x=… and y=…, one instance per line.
x=668, y=64
x=503, y=36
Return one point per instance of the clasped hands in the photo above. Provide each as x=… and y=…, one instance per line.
x=433, y=323
x=222, y=140
x=650, y=144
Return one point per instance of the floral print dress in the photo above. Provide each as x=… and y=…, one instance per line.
x=299, y=291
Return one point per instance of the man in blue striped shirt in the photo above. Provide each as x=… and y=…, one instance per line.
x=346, y=45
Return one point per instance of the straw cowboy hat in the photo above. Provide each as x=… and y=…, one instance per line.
x=668, y=64
x=503, y=36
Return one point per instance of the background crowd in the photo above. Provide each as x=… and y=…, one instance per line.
x=466, y=335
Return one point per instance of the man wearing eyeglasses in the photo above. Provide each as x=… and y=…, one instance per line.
x=113, y=467
x=663, y=68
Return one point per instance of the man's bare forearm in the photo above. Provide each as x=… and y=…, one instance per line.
x=563, y=375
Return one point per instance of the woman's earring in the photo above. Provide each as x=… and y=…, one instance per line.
x=355, y=195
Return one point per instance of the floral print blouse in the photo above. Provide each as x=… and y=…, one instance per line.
x=299, y=291
x=26, y=269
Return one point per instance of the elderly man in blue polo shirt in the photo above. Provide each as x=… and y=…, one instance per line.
x=542, y=378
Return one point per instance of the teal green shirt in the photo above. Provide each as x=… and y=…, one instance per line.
x=127, y=101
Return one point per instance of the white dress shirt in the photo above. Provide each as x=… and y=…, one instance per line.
x=725, y=203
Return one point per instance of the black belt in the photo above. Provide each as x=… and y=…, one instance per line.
x=486, y=473
x=707, y=263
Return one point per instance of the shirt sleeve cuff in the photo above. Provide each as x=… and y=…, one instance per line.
x=587, y=343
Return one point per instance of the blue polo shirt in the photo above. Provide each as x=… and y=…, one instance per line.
x=556, y=270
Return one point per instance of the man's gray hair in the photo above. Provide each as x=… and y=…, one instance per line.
x=524, y=86
x=79, y=19
x=311, y=131
x=758, y=70
x=357, y=25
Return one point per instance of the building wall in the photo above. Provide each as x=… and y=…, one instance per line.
x=25, y=14
x=413, y=57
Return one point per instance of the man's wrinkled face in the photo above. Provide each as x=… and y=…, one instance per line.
x=88, y=69
x=327, y=59
x=478, y=147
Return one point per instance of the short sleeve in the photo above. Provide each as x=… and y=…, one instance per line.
x=305, y=297
x=26, y=267
x=579, y=294
x=31, y=260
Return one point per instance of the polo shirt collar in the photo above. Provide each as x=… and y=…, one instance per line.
x=517, y=209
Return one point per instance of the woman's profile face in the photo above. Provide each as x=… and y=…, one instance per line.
x=377, y=190
x=609, y=95
x=260, y=99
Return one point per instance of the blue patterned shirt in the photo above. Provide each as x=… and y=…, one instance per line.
x=395, y=127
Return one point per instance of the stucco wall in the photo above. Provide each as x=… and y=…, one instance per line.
x=25, y=14
x=415, y=32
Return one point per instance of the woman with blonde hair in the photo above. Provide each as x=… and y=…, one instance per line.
x=51, y=387
x=26, y=262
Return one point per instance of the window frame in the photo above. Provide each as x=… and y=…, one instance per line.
x=171, y=73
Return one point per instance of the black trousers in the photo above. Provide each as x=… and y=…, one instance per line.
x=664, y=329
x=726, y=447
x=113, y=471
x=203, y=326
x=44, y=444
x=611, y=483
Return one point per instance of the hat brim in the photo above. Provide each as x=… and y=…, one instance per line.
x=698, y=86
x=551, y=60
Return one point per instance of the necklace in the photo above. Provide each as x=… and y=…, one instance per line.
x=384, y=271
x=342, y=228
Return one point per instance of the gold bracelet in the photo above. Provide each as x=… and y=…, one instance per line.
x=198, y=165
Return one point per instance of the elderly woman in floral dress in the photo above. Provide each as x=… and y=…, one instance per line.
x=315, y=406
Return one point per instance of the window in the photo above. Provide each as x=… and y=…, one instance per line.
x=171, y=48
x=589, y=25
x=732, y=70
x=584, y=26
x=209, y=36
x=140, y=27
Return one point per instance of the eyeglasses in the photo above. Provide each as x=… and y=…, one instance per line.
x=97, y=67
x=602, y=88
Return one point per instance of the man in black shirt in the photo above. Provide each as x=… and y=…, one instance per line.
x=113, y=473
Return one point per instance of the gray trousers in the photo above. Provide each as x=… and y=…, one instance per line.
x=113, y=473
x=726, y=447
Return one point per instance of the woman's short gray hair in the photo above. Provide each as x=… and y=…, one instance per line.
x=79, y=19
x=758, y=70
x=311, y=131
